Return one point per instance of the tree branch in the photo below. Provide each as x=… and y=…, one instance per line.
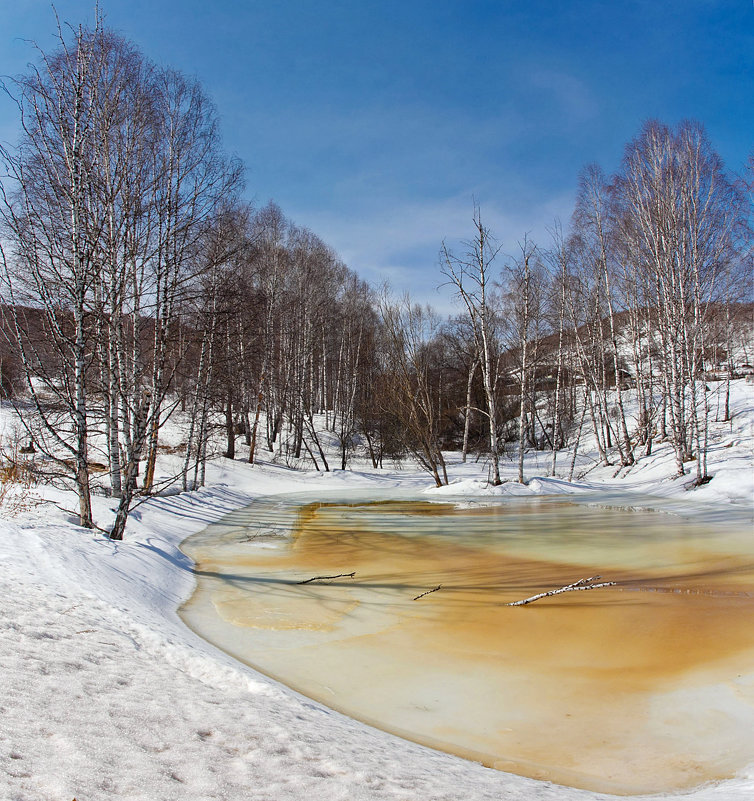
x=438, y=587
x=581, y=584
x=324, y=578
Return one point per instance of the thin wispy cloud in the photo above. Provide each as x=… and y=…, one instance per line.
x=402, y=244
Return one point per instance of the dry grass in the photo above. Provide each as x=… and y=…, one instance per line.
x=17, y=478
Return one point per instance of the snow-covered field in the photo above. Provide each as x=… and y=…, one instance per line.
x=104, y=692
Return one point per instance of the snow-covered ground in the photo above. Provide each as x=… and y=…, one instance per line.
x=104, y=692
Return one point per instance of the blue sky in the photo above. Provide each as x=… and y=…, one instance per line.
x=376, y=123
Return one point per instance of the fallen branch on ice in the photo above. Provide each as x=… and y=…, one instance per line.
x=581, y=584
x=438, y=587
x=325, y=578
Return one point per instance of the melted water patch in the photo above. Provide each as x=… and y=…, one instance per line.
x=643, y=687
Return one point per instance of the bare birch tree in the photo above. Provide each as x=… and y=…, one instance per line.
x=52, y=224
x=523, y=298
x=113, y=187
x=683, y=212
x=592, y=216
x=471, y=275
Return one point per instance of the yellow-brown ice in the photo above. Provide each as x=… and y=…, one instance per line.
x=643, y=687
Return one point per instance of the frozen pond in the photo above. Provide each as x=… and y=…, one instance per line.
x=647, y=686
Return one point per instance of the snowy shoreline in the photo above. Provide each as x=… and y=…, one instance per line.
x=107, y=694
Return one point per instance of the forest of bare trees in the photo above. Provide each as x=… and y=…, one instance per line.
x=138, y=287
